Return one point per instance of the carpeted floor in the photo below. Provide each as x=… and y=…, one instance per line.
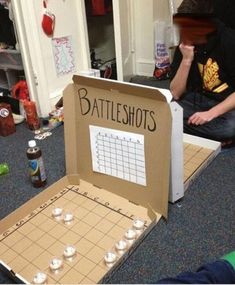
x=200, y=228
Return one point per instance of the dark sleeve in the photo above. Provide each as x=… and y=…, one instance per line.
x=228, y=54
x=175, y=63
x=194, y=81
x=218, y=272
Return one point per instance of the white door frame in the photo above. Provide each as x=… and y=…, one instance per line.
x=24, y=48
x=26, y=28
x=120, y=60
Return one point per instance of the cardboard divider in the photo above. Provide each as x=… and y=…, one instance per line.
x=118, y=152
x=123, y=155
x=119, y=106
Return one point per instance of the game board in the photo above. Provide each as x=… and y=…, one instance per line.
x=194, y=157
x=28, y=246
x=120, y=165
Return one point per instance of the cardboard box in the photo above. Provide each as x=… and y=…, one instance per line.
x=123, y=155
x=190, y=155
x=118, y=149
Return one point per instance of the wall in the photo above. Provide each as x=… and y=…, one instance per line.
x=146, y=13
x=178, y=2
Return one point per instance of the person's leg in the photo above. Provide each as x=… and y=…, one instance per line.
x=220, y=129
x=221, y=271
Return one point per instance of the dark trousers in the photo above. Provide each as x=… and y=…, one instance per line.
x=220, y=129
x=218, y=272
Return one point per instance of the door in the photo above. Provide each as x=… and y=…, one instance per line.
x=51, y=62
x=123, y=13
x=24, y=48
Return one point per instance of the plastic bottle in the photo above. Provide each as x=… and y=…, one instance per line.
x=36, y=165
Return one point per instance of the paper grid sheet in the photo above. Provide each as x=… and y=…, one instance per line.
x=118, y=153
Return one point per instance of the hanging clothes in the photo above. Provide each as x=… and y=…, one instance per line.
x=7, y=33
x=98, y=7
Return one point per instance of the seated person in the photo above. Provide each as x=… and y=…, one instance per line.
x=221, y=271
x=203, y=72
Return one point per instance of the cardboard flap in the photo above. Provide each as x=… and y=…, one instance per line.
x=96, y=108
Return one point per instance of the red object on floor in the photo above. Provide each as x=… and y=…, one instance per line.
x=31, y=115
x=161, y=73
x=7, y=125
x=20, y=90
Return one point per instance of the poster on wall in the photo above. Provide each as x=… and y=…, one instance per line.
x=63, y=55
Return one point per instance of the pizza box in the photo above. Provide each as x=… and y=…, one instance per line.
x=118, y=154
x=190, y=155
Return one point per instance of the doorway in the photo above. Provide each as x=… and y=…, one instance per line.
x=100, y=28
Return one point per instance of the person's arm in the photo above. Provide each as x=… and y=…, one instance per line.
x=200, y=118
x=179, y=82
x=227, y=42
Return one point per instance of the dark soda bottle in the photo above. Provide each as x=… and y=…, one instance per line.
x=36, y=165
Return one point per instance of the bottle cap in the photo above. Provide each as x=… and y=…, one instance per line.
x=32, y=143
